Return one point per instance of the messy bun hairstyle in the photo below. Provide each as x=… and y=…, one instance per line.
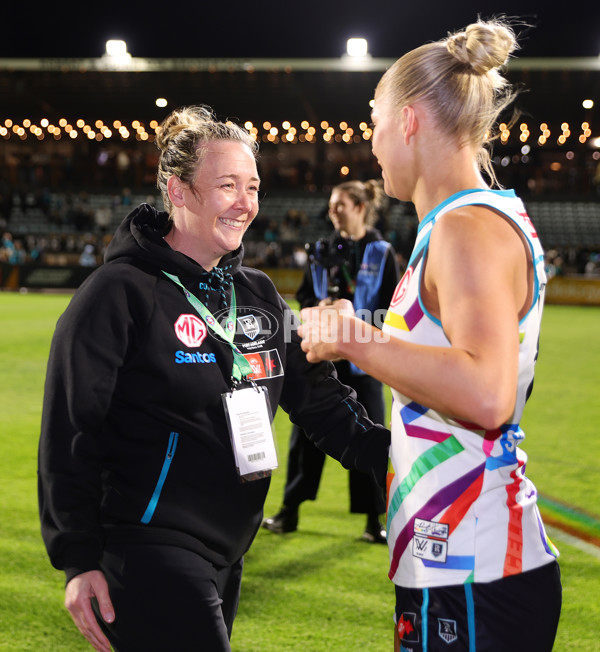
x=369, y=193
x=182, y=138
x=459, y=80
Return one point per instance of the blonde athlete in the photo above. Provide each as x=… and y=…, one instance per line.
x=472, y=565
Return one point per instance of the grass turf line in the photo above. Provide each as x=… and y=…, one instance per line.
x=319, y=589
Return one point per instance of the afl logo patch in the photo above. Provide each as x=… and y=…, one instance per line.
x=401, y=288
x=190, y=330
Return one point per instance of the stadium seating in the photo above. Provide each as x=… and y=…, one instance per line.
x=559, y=223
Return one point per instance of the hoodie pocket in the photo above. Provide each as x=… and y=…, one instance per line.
x=161, y=478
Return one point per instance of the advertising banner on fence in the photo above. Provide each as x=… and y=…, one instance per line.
x=573, y=290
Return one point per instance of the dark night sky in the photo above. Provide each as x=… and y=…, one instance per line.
x=282, y=29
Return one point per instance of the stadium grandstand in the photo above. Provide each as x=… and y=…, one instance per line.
x=77, y=150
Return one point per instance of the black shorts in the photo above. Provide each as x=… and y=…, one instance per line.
x=519, y=613
x=168, y=598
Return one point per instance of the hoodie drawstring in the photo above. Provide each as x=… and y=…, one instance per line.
x=219, y=281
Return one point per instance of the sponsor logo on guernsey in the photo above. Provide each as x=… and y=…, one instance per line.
x=401, y=288
x=430, y=540
x=431, y=528
x=527, y=220
x=447, y=630
x=190, y=330
x=407, y=631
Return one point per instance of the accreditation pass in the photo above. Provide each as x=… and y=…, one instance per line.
x=250, y=428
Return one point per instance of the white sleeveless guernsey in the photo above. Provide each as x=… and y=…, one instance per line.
x=460, y=508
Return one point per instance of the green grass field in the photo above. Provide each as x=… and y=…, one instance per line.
x=319, y=589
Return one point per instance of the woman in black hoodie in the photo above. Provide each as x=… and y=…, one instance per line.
x=156, y=449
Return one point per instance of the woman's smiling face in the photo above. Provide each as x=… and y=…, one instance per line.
x=214, y=213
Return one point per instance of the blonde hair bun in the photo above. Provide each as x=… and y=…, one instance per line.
x=483, y=45
x=180, y=120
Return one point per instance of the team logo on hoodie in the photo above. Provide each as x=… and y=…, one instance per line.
x=190, y=330
x=254, y=327
x=250, y=326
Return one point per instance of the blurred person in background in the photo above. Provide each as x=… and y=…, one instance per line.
x=87, y=258
x=7, y=246
x=18, y=254
x=355, y=263
x=471, y=562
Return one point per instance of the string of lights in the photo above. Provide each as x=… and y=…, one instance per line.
x=271, y=132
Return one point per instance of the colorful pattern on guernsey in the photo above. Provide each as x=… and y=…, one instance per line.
x=460, y=508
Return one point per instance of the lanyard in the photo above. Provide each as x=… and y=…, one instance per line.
x=241, y=367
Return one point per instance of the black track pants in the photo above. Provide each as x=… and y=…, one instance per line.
x=167, y=598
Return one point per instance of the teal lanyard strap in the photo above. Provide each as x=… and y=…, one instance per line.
x=241, y=367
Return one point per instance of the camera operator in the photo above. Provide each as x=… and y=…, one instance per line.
x=355, y=263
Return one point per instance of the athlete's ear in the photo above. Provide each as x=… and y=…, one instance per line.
x=175, y=189
x=409, y=122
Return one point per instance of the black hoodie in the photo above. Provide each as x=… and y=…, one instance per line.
x=123, y=380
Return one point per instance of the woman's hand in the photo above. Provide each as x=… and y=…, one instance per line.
x=323, y=327
x=79, y=593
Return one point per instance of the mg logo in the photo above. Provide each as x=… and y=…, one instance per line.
x=190, y=330
x=401, y=288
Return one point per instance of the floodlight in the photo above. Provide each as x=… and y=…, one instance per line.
x=357, y=47
x=116, y=48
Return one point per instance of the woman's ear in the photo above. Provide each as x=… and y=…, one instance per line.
x=175, y=189
x=409, y=122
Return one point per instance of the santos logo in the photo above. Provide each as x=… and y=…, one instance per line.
x=182, y=357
